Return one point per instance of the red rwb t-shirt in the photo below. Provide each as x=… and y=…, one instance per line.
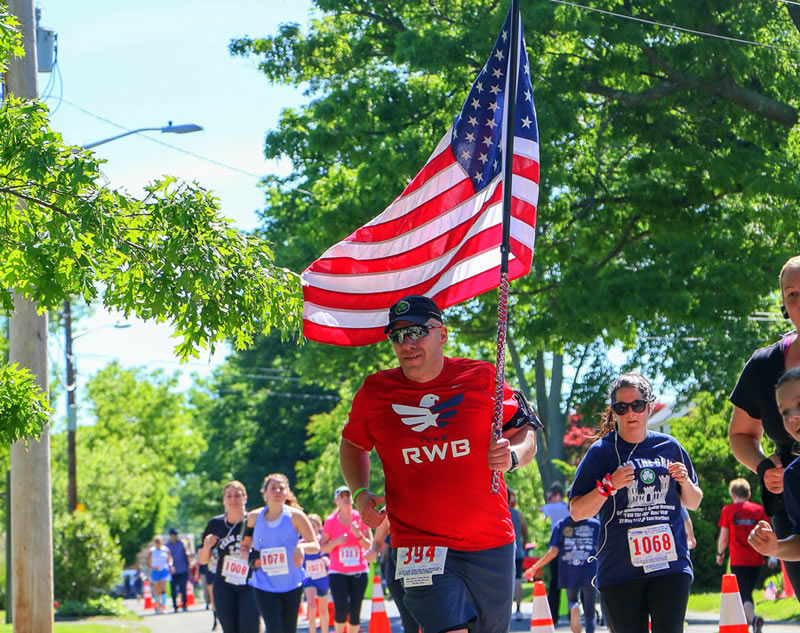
x=433, y=441
x=740, y=519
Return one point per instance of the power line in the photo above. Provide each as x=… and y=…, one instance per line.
x=164, y=143
x=301, y=396
x=797, y=4
x=680, y=28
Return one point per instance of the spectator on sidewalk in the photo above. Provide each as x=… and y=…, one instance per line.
x=179, y=570
x=573, y=546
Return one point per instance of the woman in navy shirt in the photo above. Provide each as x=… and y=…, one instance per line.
x=636, y=481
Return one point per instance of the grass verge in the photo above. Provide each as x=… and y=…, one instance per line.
x=786, y=609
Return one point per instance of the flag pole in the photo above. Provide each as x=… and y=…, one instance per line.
x=505, y=246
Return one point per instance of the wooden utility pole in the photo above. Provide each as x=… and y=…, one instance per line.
x=31, y=519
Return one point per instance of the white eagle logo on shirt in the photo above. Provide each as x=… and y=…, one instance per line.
x=429, y=413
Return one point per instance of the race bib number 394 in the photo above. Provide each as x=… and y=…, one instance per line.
x=416, y=565
x=652, y=547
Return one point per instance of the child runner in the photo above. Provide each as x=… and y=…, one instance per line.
x=575, y=545
x=736, y=521
x=637, y=480
x=316, y=583
x=763, y=538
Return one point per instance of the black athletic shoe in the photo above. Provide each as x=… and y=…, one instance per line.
x=214, y=626
x=758, y=624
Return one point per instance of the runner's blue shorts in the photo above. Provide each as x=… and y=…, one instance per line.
x=321, y=584
x=475, y=591
x=157, y=575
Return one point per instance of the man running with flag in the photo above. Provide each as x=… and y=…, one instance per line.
x=430, y=420
x=445, y=429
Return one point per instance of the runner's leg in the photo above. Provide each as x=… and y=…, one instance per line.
x=625, y=607
x=667, y=597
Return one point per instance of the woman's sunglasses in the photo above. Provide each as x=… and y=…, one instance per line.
x=621, y=408
x=414, y=332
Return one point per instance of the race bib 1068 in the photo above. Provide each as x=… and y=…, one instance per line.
x=652, y=547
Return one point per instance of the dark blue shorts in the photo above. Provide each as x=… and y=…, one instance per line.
x=476, y=588
x=322, y=585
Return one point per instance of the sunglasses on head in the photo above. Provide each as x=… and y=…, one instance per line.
x=621, y=408
x=414, y=332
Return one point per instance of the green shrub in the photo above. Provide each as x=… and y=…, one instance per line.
x=86, y=560
x=104, y=605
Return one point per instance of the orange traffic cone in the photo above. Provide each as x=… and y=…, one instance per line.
x=190, y=599
x=379, y=621
x=541, y=618
x=731, y=612
x=148, y=597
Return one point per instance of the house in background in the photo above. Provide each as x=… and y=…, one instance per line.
x=664, y=413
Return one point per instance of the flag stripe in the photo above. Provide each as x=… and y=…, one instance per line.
x=376, y=298
x=334, y=334
x=395, y=238
x=423, y=271
x=420, y=245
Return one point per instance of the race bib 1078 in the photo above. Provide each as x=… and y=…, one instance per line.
x=274, y=561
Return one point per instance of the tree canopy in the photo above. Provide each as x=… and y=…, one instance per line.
x=145, y=439
x=669, y=165
x=169, y=256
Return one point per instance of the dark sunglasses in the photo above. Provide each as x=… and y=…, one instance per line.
x=414, y=332
x=621, y=408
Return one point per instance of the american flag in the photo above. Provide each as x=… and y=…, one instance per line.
x=441, y=237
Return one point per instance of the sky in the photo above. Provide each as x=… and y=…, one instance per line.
x=143, y=64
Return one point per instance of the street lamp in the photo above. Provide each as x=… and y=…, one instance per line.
x=185, y=128
x=72, y=423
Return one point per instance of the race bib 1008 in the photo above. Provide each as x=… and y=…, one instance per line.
x=274, y=561
x=234, y=570
x=652, y=547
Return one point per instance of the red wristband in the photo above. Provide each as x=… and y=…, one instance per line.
x=608, y=485
x=602, y=489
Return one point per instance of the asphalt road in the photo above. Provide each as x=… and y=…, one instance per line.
x=198, y=620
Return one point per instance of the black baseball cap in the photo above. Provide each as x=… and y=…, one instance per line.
x=414, y=309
